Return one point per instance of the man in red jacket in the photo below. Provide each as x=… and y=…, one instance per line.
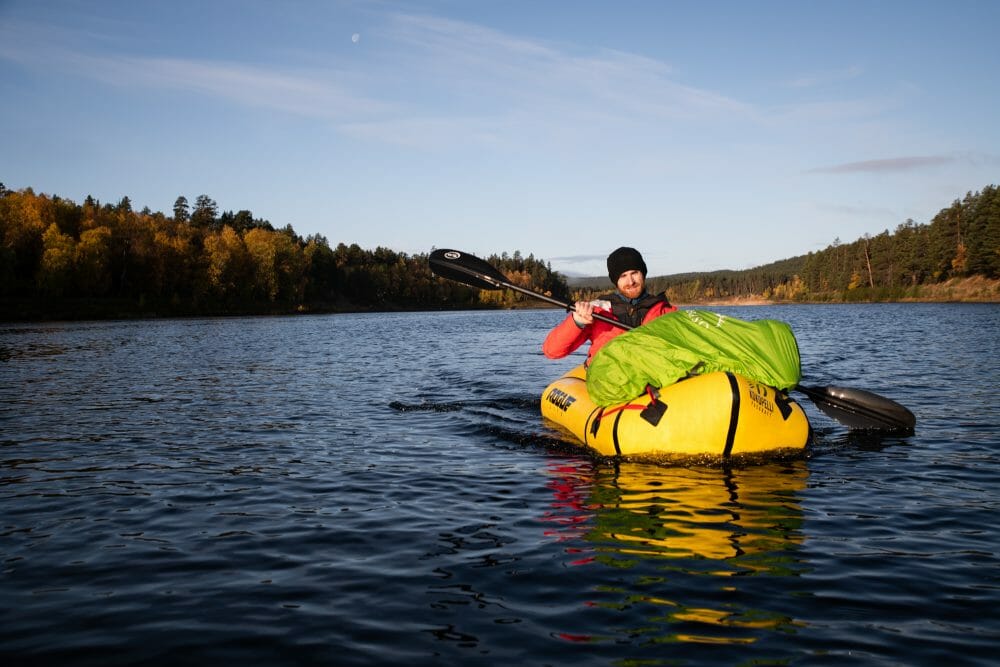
x=630, y=304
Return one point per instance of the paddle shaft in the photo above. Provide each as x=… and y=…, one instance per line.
x=568, y=306
x=470, y=270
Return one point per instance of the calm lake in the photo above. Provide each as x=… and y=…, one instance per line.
x=380, y=489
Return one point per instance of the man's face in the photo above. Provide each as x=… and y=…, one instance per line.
x=631, y=283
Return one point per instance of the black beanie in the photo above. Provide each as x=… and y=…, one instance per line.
x=622, y=260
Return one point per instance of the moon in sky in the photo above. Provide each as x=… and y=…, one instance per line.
x=355, y=38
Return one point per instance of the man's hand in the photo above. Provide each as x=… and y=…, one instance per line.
x=583, y=313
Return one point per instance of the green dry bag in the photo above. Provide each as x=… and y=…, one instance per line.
x=674, y=345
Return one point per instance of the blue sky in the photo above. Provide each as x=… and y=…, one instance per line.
x=710, y=135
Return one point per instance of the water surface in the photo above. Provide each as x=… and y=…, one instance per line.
x=380, y=489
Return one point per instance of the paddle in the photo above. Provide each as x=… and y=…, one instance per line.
x=855, y=408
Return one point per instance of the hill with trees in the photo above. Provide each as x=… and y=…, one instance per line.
x=59, y=259
x=956, y=256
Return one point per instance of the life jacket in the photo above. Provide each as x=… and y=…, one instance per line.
x=634, y=315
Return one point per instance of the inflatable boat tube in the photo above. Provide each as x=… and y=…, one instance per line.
x=720, y=414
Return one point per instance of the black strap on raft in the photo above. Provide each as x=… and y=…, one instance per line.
x=653, y=412
x=600, y=413
x=596, y=423
x=734, y=415
x=784, y=404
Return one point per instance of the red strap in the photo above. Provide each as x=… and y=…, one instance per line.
x=604, y=412
x=627, y=406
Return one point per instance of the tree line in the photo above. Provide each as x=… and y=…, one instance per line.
x=62, y=258
x=961, y=241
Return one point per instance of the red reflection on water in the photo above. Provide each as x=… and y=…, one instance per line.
x=570, y=515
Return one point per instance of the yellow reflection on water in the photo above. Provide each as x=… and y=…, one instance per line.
x=681, y=539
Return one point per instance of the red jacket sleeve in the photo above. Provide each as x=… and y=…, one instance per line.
x=565, y=338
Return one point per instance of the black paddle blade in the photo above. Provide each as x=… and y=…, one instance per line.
x=857, y=408
x=467, y=269
x=470, y=270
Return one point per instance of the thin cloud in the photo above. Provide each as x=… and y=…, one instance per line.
x=298, y=93
x=504, y=90
x=496, y=85
x=545, y=77
x=578, y=258
x=311, y=93
x=888, y=165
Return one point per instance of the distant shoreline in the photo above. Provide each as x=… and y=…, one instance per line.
x=960, y=290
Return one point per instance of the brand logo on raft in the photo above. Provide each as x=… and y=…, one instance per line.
x=758, y=396
x=560, y=399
